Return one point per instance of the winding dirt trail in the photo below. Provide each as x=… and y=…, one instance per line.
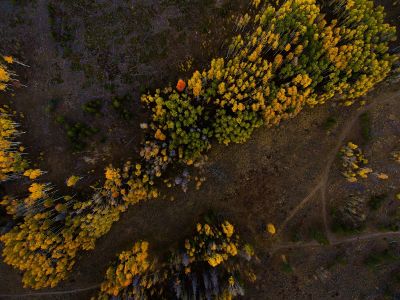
x=53, y=293
x=359, y=238
x=322, y=183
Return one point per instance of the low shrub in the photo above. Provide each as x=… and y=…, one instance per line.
x=93, y=107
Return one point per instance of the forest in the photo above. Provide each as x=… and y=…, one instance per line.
x=200, y=149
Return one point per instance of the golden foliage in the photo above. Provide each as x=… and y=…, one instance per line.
x=130, y=265
x=12, y=163
x=354, y=162
x=72, y=180
x=216, y=252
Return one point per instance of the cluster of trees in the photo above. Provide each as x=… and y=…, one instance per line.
x=48, y=230
x=283, y=58
x=51, y=230
x=5, y=74
x=354, y=162
x=212, y=264
x=12, y=162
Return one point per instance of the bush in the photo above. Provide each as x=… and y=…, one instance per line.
x=354, y=163
x=119, y=105
x=77, y=132
x=93, y=107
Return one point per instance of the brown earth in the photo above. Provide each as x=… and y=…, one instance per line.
x=289, y=176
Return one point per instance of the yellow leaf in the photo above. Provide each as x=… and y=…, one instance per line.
x=383, y=176
x=33, y=174
x=352, y=145
x=271, y=228
x=159, y=135
x=8, y=59
x=284, y=259
x=72, y=180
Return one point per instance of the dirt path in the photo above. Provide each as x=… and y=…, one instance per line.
x=322, y=183
x=359, y=238
x=299, y=207
x=53, y=293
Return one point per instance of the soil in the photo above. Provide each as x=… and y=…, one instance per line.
x=289, y=175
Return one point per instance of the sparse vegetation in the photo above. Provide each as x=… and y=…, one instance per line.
x=319, y=236
x=77, y=132
x=354, y=162
x=93, y=107
x=353, y=213
x=375, y=260
x=120, y=105
x=351, y=216
x=286, y=267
